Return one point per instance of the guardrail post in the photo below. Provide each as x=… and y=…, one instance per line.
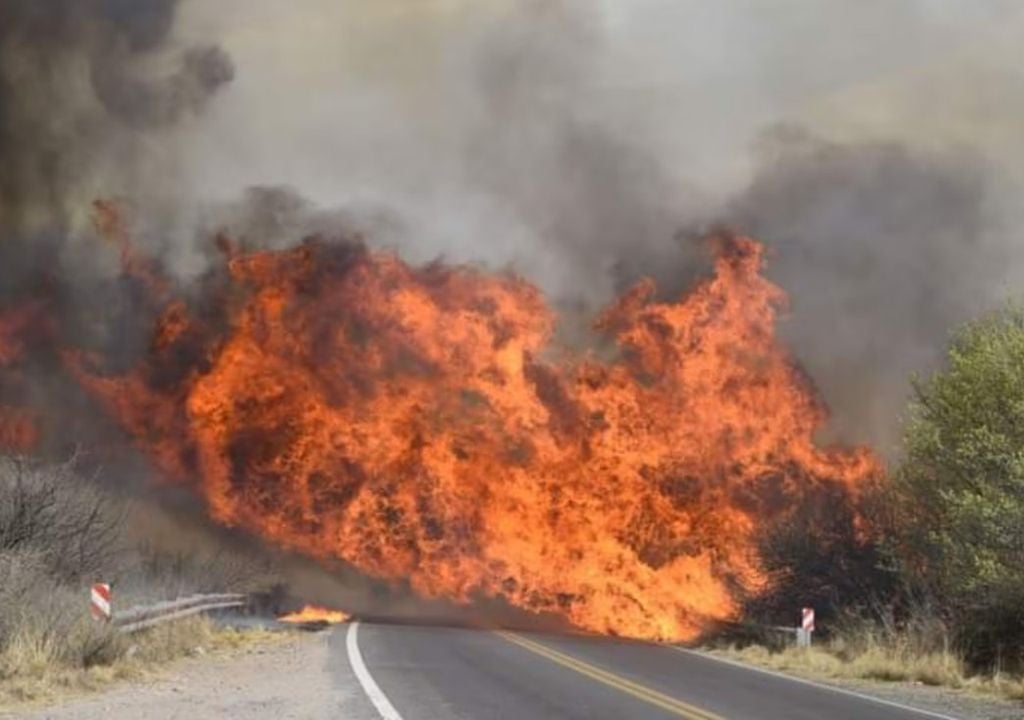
x=803, y=633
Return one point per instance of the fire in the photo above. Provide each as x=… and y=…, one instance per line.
x=419, y=424
x=18, y=429
x=315, y=613
x=110, y=224
x=12, y=325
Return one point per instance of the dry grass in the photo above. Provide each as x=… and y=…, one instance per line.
x=34, y=668
x=58, y=533
x=868, y=658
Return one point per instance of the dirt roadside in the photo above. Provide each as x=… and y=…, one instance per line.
x=940, y=700
x=956, y=703
x=286, y=679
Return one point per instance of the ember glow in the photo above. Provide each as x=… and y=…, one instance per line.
x=419, y=424
x=315, y=613
x=18, y=429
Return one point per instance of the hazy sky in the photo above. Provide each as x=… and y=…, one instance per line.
x=368, y=97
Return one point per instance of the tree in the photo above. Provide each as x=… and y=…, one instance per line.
x=960, y=489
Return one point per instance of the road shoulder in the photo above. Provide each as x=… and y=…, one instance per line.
x=282, y=679
x=946, y=701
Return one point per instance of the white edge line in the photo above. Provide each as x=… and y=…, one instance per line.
x=821, y=686
x=370, y=687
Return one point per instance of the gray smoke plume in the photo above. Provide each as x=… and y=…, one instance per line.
x=883, y=250
x=581, y=143
x=89, y=89
x=872, y=147
x=81, y=83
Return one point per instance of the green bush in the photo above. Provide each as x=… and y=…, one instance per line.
x=958, y=529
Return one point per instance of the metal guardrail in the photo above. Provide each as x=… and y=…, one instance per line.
x=801, y=637
x=747, y=631
x=145, y=616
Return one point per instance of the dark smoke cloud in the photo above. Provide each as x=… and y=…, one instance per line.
x=581, y=143
x=76, y=76
x=596, y=199
x=145, y=104
x=85, y=87
x=584, y=144
x=883, y=249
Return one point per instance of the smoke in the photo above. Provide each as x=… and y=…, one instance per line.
x=883, y=249
x=85, y=87
x=91, y=92
x=478, y=140
x=874, y=148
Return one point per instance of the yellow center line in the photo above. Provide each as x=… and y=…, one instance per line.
x=641, y=692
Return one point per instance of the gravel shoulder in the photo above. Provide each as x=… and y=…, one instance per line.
x=957, y=703
x=289, y=678
x=962, y=704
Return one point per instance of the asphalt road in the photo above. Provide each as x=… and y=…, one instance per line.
x=409, y=672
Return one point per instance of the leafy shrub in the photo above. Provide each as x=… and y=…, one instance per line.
x=959, y=526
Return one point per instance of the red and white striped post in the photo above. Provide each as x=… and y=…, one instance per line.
x=99, y=601
x=806, y=627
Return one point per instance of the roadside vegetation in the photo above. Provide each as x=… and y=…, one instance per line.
x=923, y=579
x=34, y=669
x=60, y=532
x=845, y=658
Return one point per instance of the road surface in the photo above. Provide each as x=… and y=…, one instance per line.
x=411, y=672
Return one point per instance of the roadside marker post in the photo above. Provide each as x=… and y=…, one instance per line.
x=99, y=601
x=803, y=633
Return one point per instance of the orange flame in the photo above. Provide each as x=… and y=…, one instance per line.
x=110, y=224
x=18, y=429
x=315, y=613
x=412, y=422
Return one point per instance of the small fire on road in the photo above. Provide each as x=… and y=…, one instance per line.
x=315, y=614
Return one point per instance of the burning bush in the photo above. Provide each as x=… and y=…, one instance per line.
x=418, y=423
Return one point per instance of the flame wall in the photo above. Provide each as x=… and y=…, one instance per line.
x=418, y=423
